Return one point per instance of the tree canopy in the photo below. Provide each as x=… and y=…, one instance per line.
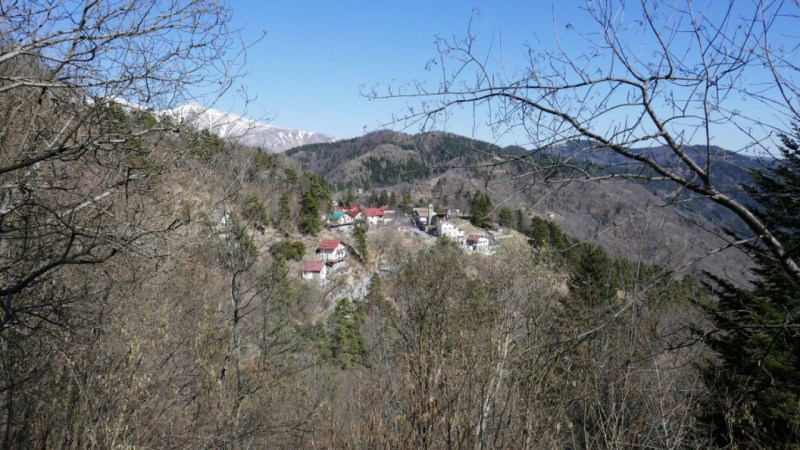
x=757, y=334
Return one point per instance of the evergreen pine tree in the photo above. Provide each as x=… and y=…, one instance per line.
x=539, y=232
x=283, y=217
x=347, y=344
x=383, y=199
x=360, y=237
x=407, y=202
x=481, y=207
x=592, y=279
x=321, y=191
x=755, y=387
x=520, y=221
x=505, y=217
x=310, y=221
x=375, y=292
x=349, y=197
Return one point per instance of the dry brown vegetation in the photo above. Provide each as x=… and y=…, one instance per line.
x=206, y=341
x=143, y=305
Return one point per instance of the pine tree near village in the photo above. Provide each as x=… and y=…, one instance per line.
x=757, y=380
x=360, y=237
x=481, y=209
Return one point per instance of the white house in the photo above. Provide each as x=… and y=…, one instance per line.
x=338, y=218
x=354, y=214
x=331, y=251
x=477, y=243
x=450, y=231
x=388, y=214
x=378, y=216
x=314, y=270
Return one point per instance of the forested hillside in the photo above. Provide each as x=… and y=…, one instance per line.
x=387, y=158
x=165, y=310
x=202, y=334
x=651, y=220
x=162, y=287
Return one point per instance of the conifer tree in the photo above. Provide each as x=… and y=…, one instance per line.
x=321, y=191
x=348, y=346
x=481, y=208
x=505, y=217
x=283, y=217
x=360, y=236
x=520, y=221
x=310, y=221
x=755, y=387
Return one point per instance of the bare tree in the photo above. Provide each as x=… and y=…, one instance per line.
x=75, y=166
x=670, y=76
x=82, y=152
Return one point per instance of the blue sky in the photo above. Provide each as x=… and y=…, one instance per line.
x=317, y=58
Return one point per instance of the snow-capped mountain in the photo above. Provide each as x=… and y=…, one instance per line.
x=247, y=131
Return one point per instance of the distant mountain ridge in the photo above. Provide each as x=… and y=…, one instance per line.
x=269, y=138
x=649, y=220
x=729, y=171
x=385, y=158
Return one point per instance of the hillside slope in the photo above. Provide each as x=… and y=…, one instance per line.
x=637, y=220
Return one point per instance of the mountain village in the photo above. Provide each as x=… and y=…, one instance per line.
x=425, y=224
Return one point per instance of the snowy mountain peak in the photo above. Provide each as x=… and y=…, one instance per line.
x=250, y=132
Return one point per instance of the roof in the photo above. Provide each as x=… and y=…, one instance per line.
x=328, y=245
x=475, y=237
x=373, y=212
x=336, y=214
x=313, y=266
x=352, y=212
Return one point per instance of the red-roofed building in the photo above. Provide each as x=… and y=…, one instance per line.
x=314, y=270
x=355, y=213
x=477, y=243
x=373, y=215
x=331, y=251
x=378, y=216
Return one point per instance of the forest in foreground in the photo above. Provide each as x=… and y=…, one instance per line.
x=151, y=296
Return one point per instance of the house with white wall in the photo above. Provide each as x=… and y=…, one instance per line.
x=338, y=218
x=314, y=270
x=477, y=243
x=448, y=230
x=378, y=216
x=331, y=251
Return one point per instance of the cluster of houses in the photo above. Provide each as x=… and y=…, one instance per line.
x=330, y=254
x=471, y=243
x=436, y=223
x=347, y=217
